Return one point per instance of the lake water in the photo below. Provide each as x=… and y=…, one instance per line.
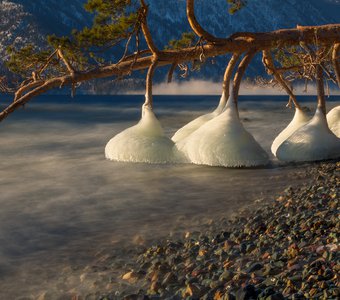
x=62, y=202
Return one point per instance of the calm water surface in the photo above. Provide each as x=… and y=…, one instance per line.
x=61, y=201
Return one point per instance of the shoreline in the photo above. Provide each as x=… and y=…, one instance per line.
x=207, y=256
x=286, y=248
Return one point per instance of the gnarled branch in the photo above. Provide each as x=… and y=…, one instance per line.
x=196, y=27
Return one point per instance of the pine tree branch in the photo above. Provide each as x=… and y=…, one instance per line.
x=327, y=35
x=197, y=28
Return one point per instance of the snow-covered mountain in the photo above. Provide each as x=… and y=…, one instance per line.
x=23, y=21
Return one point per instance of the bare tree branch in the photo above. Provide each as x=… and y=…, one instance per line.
x=196, y=27
x=228, y=73
x=269, y=64
x=149, y=77
x=240, y=72
x=146, y=31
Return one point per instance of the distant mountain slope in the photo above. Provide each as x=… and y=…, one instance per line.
x=22, y=21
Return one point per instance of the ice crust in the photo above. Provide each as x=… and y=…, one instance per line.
x=144, y=142
x=223, y=141
x=189, y=128
x=300, y=118
x=312, y=142
x=333, y=119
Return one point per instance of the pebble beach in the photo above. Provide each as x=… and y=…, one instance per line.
x=286, y=248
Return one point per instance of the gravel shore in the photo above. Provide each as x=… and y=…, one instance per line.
x=285, y=249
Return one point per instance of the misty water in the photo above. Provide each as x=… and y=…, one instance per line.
x=62, y=203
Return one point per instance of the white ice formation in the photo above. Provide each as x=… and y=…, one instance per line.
x=333, y=119
x=312, y=142
x=189, y=128
x=223, y=141
x=144, y=142
x=300, y=119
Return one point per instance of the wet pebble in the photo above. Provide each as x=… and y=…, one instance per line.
x=285, y=249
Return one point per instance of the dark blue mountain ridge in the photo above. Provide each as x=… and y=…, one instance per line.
x=23, y=21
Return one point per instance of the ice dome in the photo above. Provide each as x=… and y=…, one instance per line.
x=223, y=141
x=333, y=119
x=189, y=128
x=311, y=142
x=300, y=118
x=144, y=142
